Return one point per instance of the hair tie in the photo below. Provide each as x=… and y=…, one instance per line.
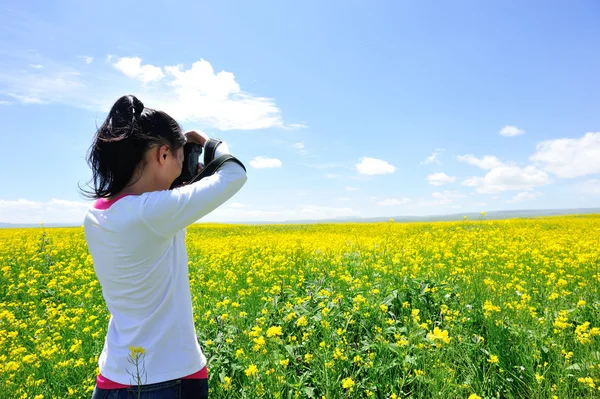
x=137, y=112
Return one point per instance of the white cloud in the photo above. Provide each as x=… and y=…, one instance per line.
x=52, y=86
x=431, y=159
x=439, y=179
x=196, y=95
x=511, y=131
x=28, y=99
x=326, y=212
x=3, y=102
x=588, y=188
x=508, y=177
x=352, y=188
x=201, y=79
x=472, y=181
x=524, y=196
x=73, y=212
x=332, y=176
x=300, y=147
x=371, y=166
x=238, y=205
x=36, y=66
x=320, y=166
x=487, y=162
x=447, y=197
x=343, y=199
x=279, y=213
x=264, y=162
x=86, y=59
x=293, y=126
x=54, y=211
x=569, y=158
x=393, y=201
x=216, y=99
x=443, y=201
x=132, y=67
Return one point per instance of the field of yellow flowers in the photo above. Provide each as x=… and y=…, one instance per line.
x=472, y=309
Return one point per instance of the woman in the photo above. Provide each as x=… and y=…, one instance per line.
x=135, y=232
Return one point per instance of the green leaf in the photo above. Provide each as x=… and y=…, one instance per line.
x=394, y=348
x=309, y=391
x=290, y=350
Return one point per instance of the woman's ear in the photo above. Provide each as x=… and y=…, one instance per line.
x=162, y=153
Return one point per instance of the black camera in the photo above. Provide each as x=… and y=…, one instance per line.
x=191, y=155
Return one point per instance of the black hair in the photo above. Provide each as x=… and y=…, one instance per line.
x=121, y=142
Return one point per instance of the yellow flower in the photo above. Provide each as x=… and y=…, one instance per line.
x=274, y=331
x=493, y=359
x=258, y=343
x=582, y=334
x=561, y=321
x=588, y=381
x=301, y=322
x=347, y=383
x=337, y=276
x=488, y=308
x=226, y=383
x=474, y=395
x=135, y=350
x=438, y=334
x=251, y=370
x=256, y=330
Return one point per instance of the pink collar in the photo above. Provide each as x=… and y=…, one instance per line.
x=104, y=203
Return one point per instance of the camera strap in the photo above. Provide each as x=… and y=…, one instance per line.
x=210, y=148
x=214, y=165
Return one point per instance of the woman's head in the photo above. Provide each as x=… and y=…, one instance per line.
x=135, y=146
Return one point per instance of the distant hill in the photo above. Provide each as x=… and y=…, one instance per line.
x=492, y=215
x=28, y=225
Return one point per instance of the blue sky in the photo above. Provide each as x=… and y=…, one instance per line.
x=337, y=109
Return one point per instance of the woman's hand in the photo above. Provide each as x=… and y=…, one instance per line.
x=200, y=167
x=196, y=136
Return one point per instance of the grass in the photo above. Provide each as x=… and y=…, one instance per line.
x=382, y=310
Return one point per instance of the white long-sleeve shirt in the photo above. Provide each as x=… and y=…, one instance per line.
x=138, y=248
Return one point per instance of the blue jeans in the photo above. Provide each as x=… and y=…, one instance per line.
x=174, y=389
